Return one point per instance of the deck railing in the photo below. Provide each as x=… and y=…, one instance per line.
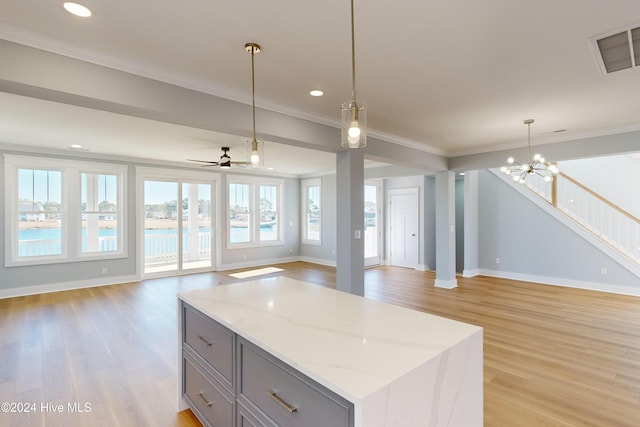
x=158, y=248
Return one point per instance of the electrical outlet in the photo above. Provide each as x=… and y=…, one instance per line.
x=497, y=260
x=603, y=270
x=105, y=270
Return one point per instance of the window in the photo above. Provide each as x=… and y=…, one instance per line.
x=100, y=212
x=269, y=213
x=239, y=213
x=254, y=212
x=311, y=220
x=39, y=213
x=62, y=210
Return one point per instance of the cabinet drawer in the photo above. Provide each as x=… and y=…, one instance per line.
x=209, y=400
x=246, y=418
x=286, y=396
x=212, y=341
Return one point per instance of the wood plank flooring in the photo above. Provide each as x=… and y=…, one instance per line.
x=553, y=356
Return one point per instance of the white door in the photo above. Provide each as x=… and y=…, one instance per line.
x=403, y=227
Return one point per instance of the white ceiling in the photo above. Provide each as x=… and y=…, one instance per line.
x=452, y=77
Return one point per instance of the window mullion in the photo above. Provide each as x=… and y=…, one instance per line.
x=71, y=217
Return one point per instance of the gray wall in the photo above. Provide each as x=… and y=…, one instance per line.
x=429, y=201
x=90, y=272
x=459, y=224
x=231, y=258
x=26, y=276
x=530, y=242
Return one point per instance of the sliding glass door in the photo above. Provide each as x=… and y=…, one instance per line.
x=196, y=226
x=177, y=226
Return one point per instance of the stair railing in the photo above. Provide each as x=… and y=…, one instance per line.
x=612, y=224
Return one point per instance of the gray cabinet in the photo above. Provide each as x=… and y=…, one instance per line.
x=209, y=399
x=208, y=350
x=228, y=381
x=285, y=396
x=211, y=341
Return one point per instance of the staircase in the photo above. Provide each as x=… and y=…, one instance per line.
x=611, y=224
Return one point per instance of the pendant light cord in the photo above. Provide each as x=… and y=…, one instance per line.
x=353, y=56
x=253, y=93
x=529, y=141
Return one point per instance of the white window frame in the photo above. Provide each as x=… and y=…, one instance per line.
x=71, y=209
x=254, y=209
x=304, y=199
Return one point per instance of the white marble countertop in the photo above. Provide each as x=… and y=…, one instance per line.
x=351, y=345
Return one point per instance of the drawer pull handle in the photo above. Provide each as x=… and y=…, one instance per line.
x=285, y=405
x=204, y=399
x=204, y=340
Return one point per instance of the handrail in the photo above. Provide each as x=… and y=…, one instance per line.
x=599, y=197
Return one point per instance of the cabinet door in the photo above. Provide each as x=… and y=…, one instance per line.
x=286, y=396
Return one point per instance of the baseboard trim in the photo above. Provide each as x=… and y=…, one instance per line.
x=422, y=267
x=257, y=263
x=569, y=283
x=319, y=261
x=65, y=286
x=470, y=273
x=446, y=284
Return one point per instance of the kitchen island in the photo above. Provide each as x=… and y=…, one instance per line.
x=281, y=352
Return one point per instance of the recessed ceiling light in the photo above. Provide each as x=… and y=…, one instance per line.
x=77, y=9
x=270, y=169
x=316, y=92
x=75, y=146
x=461, y=173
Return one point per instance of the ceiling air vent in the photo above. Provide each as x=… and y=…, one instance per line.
x=619, y=50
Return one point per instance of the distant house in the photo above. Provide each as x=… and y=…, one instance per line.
x=30, y=211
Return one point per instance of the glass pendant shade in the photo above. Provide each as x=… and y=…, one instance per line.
x=354, y=124
x=255, y=153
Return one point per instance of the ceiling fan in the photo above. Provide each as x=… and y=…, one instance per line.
x=224, y=162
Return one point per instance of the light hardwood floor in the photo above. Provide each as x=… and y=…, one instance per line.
x=552, y=356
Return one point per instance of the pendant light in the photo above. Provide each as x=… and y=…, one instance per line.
x=354, y=113
x=534, y=166
x=255, y=148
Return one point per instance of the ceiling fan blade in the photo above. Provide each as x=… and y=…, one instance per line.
x=204, y=161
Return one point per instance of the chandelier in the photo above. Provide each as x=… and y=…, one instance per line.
x=537, y=165
x=354, y=113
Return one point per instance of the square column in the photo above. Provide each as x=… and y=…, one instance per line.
x=445, y=230
x=350, y=222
